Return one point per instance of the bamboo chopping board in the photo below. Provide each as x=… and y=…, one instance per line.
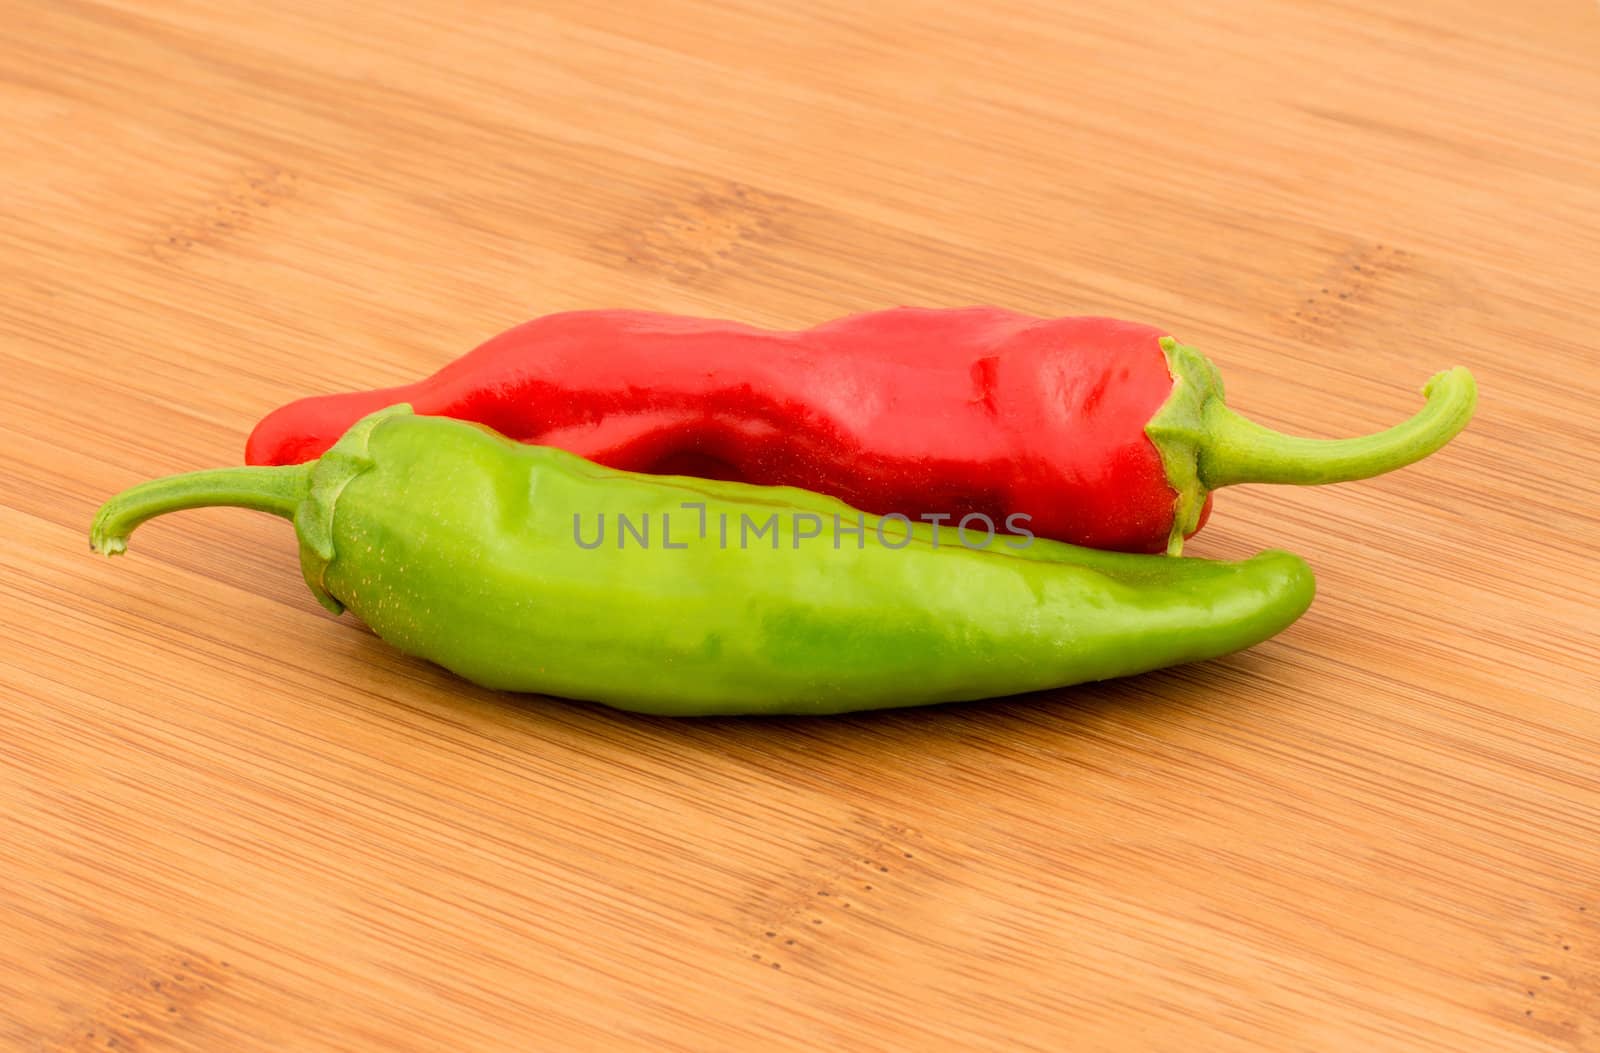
x=229, y=821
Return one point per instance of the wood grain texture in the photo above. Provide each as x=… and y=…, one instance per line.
x=228, y=821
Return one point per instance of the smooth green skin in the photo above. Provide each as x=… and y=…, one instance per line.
x=457, y=545
x=1205, y=445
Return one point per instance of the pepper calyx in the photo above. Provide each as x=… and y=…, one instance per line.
x=1179, y=431
x=333, y=471
x=1205, y=445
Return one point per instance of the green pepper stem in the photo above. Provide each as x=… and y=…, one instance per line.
x=1237, y=450
x=278, y=490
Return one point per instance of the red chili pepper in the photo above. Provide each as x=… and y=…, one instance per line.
x=1103, y=433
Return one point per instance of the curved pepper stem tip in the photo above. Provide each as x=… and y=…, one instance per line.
x=276, y=490
x=1237, y=450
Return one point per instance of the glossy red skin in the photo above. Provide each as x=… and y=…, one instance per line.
x=911, y=410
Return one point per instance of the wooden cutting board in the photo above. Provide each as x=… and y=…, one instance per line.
x=229, y=821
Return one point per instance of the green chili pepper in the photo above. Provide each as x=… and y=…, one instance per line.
x=703, y=597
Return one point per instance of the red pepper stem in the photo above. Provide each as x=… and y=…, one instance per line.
x=279, y=490
x=1237, y=450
